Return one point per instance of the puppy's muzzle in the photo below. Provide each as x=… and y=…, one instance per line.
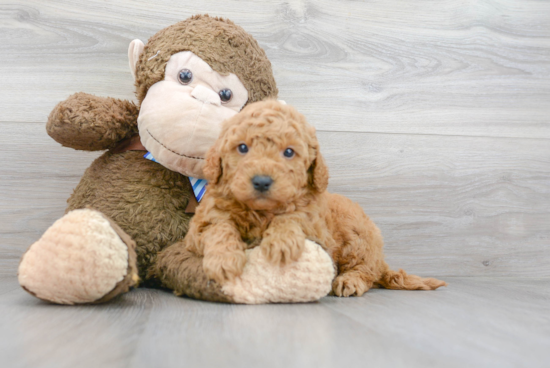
x=262, y=183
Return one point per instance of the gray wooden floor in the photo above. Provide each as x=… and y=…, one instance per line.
x=475, y=322
x=433, y=115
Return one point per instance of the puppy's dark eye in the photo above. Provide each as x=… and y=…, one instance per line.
x=289, y=152
x=242, y=148
x=185, y=76
x=225, y=94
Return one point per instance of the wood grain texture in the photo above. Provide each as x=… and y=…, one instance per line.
x=456, y=67
x=447, y=206
x=36, y=178
x=434, y=117
x=475, y=322
x=454, y=206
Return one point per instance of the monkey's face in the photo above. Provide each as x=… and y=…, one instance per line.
x=181, y=116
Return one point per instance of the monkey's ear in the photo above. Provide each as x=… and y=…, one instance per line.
x=134, y=52
x=318, y=174
x=213, y=165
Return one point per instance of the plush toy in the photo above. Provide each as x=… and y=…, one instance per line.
x=138, y=197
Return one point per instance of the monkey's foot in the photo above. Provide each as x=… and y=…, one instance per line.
x=82, y=258
x=305, y=280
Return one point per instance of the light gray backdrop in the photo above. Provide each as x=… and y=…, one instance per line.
x=433, y=115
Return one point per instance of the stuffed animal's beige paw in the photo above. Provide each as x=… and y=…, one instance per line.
x=81, y=258
x=306, y=280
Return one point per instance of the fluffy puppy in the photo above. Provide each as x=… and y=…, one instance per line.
x=267, y=188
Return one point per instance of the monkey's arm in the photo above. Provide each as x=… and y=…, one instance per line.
x=92, y=123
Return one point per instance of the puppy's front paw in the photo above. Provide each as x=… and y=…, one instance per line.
x=282, y=250
x=222, y=267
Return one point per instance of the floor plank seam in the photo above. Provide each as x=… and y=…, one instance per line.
x=431, y=134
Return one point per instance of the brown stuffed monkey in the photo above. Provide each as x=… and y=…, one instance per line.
x=189, y=77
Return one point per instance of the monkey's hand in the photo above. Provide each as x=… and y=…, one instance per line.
x=92, y=123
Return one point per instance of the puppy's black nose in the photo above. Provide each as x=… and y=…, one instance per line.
x=262, y=183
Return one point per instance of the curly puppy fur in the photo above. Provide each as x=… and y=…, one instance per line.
x=235, y=216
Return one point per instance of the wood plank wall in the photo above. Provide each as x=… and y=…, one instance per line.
x=433, y=115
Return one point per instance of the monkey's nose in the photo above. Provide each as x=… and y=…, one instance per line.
x=262, y=183
x=206, y=95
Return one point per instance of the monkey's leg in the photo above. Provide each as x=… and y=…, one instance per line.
x=305, y=280
x=84, y=257
x=181, y=270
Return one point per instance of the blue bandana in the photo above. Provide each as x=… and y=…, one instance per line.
x=199, y=185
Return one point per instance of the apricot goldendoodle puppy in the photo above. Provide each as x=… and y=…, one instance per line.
x=267, y=188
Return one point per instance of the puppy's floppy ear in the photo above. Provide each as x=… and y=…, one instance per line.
x=213, y=165
x=318, y=173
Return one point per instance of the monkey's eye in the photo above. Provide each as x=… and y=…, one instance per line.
x=185, y=76
x=225, y=94
x=289, y=152
x=242, y=148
